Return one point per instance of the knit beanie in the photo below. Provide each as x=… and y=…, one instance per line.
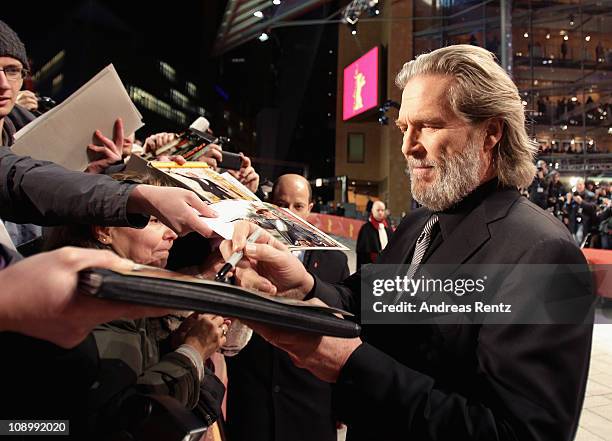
x=11, y=45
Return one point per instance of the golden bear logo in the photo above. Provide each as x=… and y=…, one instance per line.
x=360, y=81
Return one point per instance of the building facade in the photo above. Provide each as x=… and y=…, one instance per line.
x=559, y=53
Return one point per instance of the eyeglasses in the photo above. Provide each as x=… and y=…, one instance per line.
x=14, y=73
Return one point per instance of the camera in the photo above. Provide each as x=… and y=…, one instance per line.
x=45, y=103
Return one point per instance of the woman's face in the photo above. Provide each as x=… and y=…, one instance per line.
x=149, y=245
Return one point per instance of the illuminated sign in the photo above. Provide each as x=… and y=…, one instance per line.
x=361, y=85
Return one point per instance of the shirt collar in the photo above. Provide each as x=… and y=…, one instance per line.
x=450, y=218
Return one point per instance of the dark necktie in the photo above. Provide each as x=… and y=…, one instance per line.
x=420, y=248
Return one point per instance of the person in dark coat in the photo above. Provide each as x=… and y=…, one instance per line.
x=373, y=235
x=162, y=356
x=537, y=189
x=268, y=397
x=581, y=209
x=12, y=116
x=556, y=193
x=53, y=329
x=448, y=379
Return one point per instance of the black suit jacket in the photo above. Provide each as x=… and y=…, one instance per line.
x=586, y=212
x=468, y=382
x=368, y=243
x=271, y=399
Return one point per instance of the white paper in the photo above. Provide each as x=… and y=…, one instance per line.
x=62, y=134
x=231, y=211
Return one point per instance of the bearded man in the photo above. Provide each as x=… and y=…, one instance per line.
x=468, y=152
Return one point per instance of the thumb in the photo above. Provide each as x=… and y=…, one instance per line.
x=118, y=134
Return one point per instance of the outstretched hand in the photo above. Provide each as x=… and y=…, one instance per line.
x=247, y=174
x=181, y=210
x=106, y=151
x=40, y=299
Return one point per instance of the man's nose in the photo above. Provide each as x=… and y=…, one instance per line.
x=410, y=143
x=4, y=82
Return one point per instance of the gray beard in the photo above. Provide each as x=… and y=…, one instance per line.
x=457, y=175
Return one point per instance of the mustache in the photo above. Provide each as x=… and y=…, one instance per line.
x=414, y=163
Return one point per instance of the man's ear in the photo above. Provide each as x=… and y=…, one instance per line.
x=494, y=130
x=102, y=234
x=310, y=205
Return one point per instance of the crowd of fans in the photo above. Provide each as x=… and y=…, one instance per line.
x=101, y=359
x=586, y=209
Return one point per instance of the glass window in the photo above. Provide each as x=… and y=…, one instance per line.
x=356, y=147
x=560, y=57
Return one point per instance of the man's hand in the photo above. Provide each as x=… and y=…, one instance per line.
x=109, y=152
x=270, y=259
x=578, y=199
x=27, y=99
x=246, y=276
x=154, y=142
x=206, y=333
x=323, y=356
x=39, y=296
x=247, y=174
x=179, y=209
x=212, y=155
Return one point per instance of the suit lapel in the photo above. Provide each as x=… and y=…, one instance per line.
x=473, y=232
x=398, y=251
x=466, y=238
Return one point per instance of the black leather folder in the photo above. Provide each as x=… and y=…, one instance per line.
x=166, y=289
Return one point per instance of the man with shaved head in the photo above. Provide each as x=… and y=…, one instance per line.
x=373, y=235
x=269, y=398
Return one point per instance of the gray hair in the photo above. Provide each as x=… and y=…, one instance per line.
x=481, y=90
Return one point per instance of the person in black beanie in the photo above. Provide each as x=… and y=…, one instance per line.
x=14, y=67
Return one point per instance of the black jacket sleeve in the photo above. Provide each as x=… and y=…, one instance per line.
x=528, y=380
x=44, y=193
